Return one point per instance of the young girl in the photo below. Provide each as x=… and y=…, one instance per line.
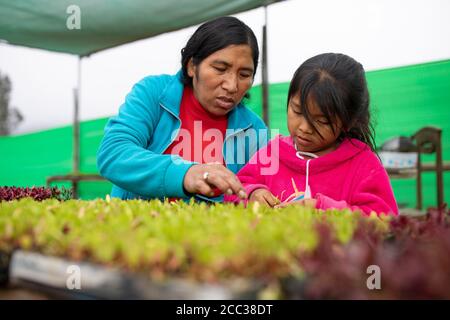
x=328, y=161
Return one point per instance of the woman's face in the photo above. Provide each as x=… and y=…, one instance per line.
x=305, y=137
x=221, y=80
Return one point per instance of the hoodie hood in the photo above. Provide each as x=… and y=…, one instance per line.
x=348, y=149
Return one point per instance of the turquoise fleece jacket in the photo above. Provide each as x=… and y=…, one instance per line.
x=131, y=152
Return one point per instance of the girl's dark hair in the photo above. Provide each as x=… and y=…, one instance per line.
x=337, y=84
x=215, y=35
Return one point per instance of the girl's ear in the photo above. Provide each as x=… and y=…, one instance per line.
x=191, y=68
x=349, y=126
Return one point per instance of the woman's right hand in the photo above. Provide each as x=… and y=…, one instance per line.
x=204, y=178
x=264, y=196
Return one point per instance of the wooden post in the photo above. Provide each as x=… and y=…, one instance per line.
x=419, y=182
x=439, y=170
x=76, y=132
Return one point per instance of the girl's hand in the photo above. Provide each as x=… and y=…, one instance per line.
x=303, y=202
x=264, y=196
x=204, y=178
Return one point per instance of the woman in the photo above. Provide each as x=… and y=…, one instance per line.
x=188, y=134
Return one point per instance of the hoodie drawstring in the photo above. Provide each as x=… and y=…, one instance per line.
x=307, y=188
x=309, y=154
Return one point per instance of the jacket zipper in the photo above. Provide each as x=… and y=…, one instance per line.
x=231, y=135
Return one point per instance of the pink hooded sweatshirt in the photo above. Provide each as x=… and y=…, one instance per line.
x=351, y=176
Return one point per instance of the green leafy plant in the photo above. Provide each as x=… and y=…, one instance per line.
x=297, y=252
x=164, y=239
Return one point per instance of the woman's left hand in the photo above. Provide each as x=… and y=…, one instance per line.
x=303, y=202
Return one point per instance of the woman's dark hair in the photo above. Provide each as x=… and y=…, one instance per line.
x=337, y=84
x=215, y=35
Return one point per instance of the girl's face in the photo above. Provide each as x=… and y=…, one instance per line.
x=221, y=80
x=305, y=137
